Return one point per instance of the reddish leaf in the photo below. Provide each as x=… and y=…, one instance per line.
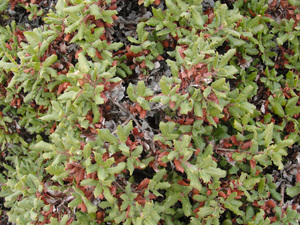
x=76, y=54
x=67, y=37
x=70, y=221
x=216, y=119
x=115, y=17
x=128, y=211
x=246, y=145
x=271, y=203
x=252, y=163
x=160, y=58
x=213, y=98
x=53, y=128
x=227, y=145
x=298, y=176
x=234, y=140
x=143, y=113
x=188, y=121
x=159, y=158
x=165, y=43
x=178, y=166
x=222, y=194
x=143, y=65
x=183, y=183
x=198, y=150
x=8, y=46
x=69, y=166
x=273, y=219
x=79, y=175
x=143, y=184
x=151, y=196
x=113, y=7
x=172, y=104
x=82, y=207
x=141, y=200
x=100, y=215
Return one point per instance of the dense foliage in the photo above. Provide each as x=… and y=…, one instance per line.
x=150, y=112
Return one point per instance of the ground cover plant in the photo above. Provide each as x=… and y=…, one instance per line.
x=150, y=112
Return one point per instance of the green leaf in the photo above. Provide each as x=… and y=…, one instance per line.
x=197, y=19
x=49, y=117
x=198, y=109
x=186, y=206
x=114, y=46
x=68, y=95
x=135, y=49
x=123, y=132
x=98, y=99
x=140, y=88
x=283, y=143
x=225, y=59
x=158, y=13
x=106, y=15
x=215, y=172
x=233, y=204
x=290, y=108
x=91, y=208
x=116, y=169
x=186, y=106
x=131, y=93
x=74, y=9
x=251, y=182
x=143, y=103
x=237, y=125
x=95, y=10
x=84, y=66
x=170, y=201
x=106, y=135
x=87, y=151
x=75, y=202
x=277, y=160
x=55, y=170
x=89, y=182
x=42, y=146
x=165, y=88
x=294, y=2
x=194, y=178
x=137, y=151
x=220, y=85
x=293, y=191
x=205, y=211
x=7, y=66
x=173, y=7
x=50, y=60
x=268, y=134
x=32, y=38
x=249, y=213
x=277, y=108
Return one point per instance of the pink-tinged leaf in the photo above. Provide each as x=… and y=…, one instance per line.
x=172, y=104
x=252, y=163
